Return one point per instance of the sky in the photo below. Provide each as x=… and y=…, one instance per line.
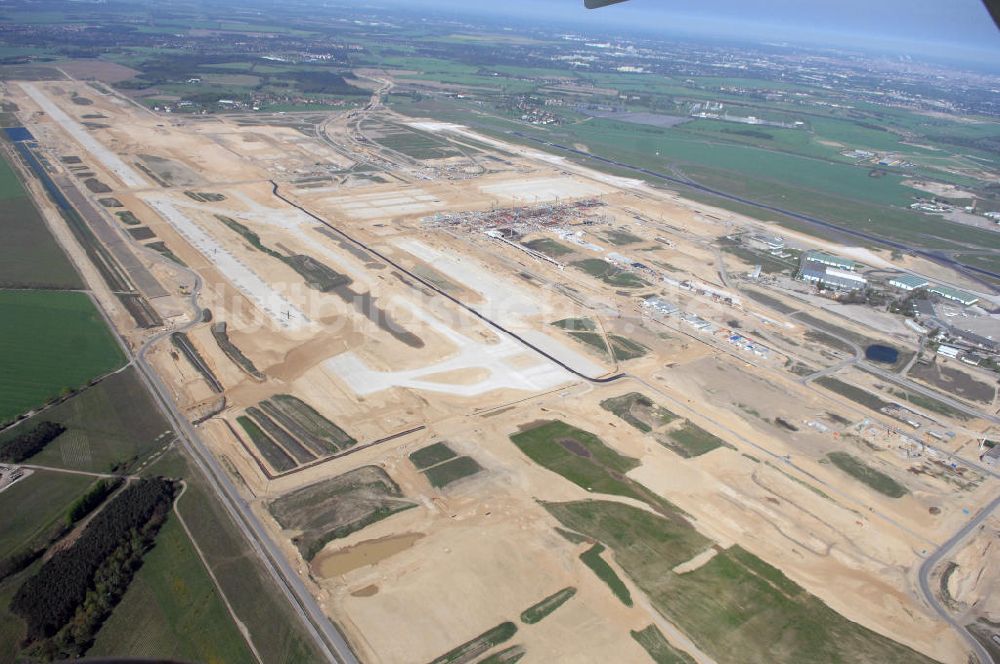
x=905, y=25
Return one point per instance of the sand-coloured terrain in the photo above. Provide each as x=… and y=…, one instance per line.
x=406, y=302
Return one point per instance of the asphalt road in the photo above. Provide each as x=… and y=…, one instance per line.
x=327, y=638
x=324, y=633
x=925, y=586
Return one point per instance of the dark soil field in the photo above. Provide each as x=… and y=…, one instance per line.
x=337, y=507
x=954, y=382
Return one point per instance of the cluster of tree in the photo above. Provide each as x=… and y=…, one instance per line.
x=30, y=443
x=752, y=133
x=323, y=82
x=86, y=503
x=20, y=559
x=65, y=602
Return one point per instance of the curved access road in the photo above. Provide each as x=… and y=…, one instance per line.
x=924, y=576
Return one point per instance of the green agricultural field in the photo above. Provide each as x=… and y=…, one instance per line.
x=736, y=608
x=855, y=394
x=592, y=559
x=510, y=655
x=579, y=456
x=549, y=247
x=11, y=627
x=431, y=455
x=660, y=651
x=541, y=610
x=50, y=342
x=929, y=403
x=451, y=471
x=691, y=440
x=479, y=645
x=609, y=274
x=862, y=472
x=585, y=331
x=257, y=601
x=275, y=456
x=112, y=425
x=593, y=339
x=172, y=609
x=576, y=324
x=35, y=506
x=584, y=459
x=10, y=184
x=639, y=411
x=622, y=238
x=29, y=255
x=626, y=349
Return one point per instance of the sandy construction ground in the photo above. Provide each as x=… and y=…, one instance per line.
x=437, y=331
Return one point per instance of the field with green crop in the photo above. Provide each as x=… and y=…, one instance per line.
x=29, y=255
x=690, y=440
x=639, y=411
x=451, y=471
x=606, y=573
x=114, y=425
x=855, y=394
x=584, y=459
x=172, y=610
x=862, y=472
x=50, y=342
x=538, y=612
x=36, y=504
x=469, y=650
x=609, y=274
x=736, y=608
x=660, y=651
x=549, y=247
x=431, y=455
x=257, y=601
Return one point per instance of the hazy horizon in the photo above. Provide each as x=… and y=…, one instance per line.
x=959, y=29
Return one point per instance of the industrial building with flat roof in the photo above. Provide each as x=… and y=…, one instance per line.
x=832, y=277
x=769, y=242
x=953, y=294
x=829, y=259
x=660, y=306
x=908, y=282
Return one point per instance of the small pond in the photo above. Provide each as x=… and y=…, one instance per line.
x=882, y=354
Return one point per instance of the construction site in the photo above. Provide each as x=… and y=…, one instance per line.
x=379, y=325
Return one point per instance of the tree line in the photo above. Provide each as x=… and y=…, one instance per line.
x=30, y=443
x=64, y=604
